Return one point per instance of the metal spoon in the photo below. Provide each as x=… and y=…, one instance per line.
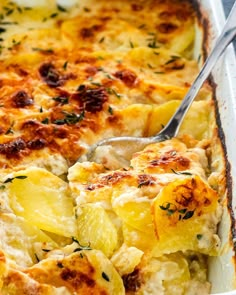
x=132, y=144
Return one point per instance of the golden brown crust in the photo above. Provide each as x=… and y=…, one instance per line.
x=69, y=78
x=70, y=93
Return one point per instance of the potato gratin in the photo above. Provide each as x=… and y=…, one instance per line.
x=69, y=76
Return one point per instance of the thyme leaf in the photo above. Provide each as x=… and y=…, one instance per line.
x=181, y=172
x=171, y=209
x=49, y=50
x=188, y=214
x=110, y=110
x=10, y=179
x=81, y=247
x=36, y=256
x=45, y=121
x=70, y=118
x=199, y=236
x=61, y=8
x=61, y=99
x=105, y=276
x=65, y=65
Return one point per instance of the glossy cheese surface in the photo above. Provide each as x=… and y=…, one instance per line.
x=72, y=73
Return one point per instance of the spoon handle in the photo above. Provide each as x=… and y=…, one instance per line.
x=227, y=35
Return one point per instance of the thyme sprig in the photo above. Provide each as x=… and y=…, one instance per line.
x=81, y=247
x=181, y=172
x=171, y=209
x=70, y=118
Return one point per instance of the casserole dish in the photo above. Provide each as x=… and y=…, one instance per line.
x=222, y=269
x=148, y=227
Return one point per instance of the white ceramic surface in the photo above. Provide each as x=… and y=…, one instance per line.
x=222, y=269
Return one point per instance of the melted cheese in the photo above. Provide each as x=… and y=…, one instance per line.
x=96, y=81
x=71, y=73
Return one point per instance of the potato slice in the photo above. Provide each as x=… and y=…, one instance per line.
x=26, y=249
x=186, y=213
x=126, y=259
x=198, y=115
x=169, y=272
x=83, y=272
x=43, y=200
x=135, y=211
x=96, y=229
x=139, y=239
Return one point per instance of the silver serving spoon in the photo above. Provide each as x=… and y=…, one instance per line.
x=131, y=144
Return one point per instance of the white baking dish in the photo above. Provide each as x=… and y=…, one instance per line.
x=222, y=269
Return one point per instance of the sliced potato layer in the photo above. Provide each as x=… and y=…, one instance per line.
x=96, y=229
x=184, y=217
x=43, y=200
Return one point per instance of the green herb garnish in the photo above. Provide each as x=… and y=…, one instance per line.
x=110, y=110
x=105, y=276
x=81, y=247
x=65, y=65
x=49, y=50
x=199, y=236
x=10, y=179
x=181, y=172
x=59, y=264
x=2, y=30
x=101, y=40
x=70, y=118
x=45, y=121
x=61, y=8
x=171, y=209
x=53, y=15
x=61, y=99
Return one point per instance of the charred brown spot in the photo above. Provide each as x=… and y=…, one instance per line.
x=92, y=99
x=61, y=132
x=76, y=278
x=91, y=187
x=114, y=177
x=127, y=76
x=20, y=71
x=86, y=33
x=145, y=179
x=36, y=144
x=207, y=202
x=91, y=70
x=21, y=99
x=68, y=274
x=183, y=14
x=132, y=281
x=172, y=160
x=136, y=7
x=109, y=179
x=12, y=148
x=30, y=124
x=186, y=196
x=166, y=28
x=50, y=75
x=105, y=18
x=166, y=14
